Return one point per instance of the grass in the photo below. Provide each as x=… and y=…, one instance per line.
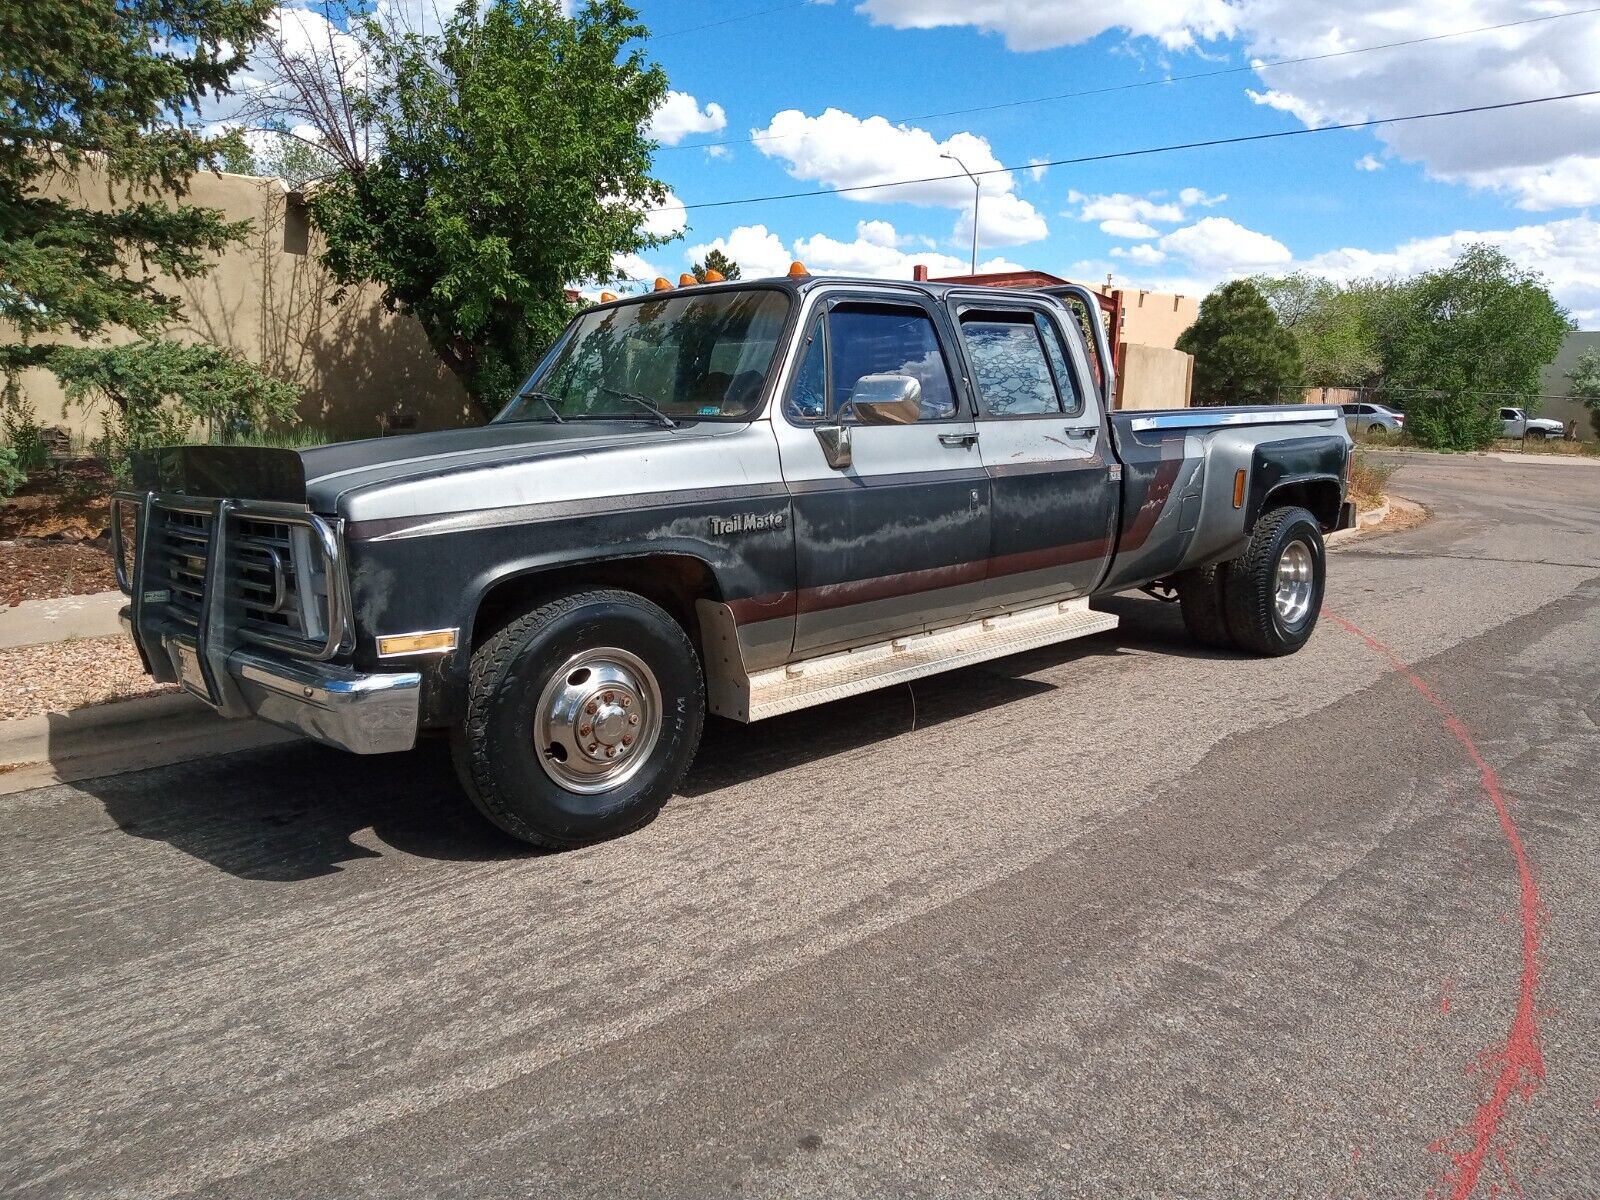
x=1384, y=441
x=1367, y=481
x=299, y=438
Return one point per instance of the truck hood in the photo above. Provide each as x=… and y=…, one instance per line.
x=322, y=476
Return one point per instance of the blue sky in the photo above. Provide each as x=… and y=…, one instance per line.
x=1393, y=200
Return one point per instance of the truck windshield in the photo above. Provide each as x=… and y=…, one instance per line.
x=691, y=357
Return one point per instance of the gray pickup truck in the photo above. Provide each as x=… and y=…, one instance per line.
x=739, y=498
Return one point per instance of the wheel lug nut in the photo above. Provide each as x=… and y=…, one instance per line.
x=585, y=730
x=594, y=748
x=611, y=751
x=627, y=740
x=591, y=708
x=634, y=719
x=609, y=697
x=626, y=701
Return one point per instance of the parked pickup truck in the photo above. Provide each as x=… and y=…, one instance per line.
x=739, y=498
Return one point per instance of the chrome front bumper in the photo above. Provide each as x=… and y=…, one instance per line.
x=362, y=713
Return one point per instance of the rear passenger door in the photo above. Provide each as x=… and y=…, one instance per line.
x=893, y=537
x=1044, y=446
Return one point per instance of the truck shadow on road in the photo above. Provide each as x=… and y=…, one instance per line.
x=294, y=812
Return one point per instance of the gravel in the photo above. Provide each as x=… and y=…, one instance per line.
x=60, y=676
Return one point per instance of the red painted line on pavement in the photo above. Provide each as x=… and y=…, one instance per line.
x=1518, y=1064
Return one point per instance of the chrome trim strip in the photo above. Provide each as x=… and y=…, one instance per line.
x=1200, y=419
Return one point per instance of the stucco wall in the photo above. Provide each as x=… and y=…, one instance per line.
x=1555, y=385
x=1154, y=377
x=270, y=299
x=1156, y=318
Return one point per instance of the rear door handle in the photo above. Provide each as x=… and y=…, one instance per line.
x=958, y=439
x=1082, y=431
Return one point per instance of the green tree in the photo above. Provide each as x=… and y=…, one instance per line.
x=1465, y=340
x=1335, y=327
x=514, y=161
x=1584, y=385
x=95, y=160
x=1242, y=352
x=717, y=261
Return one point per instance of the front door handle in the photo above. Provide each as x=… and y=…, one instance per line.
x=958, y=439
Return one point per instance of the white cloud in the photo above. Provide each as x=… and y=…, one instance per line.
x=1222, y=247
x=1192, y=197
x=841, y=150
x=680, y=115
x=877, y=251
x=1543, y=157
x=1120, y=206
x=1145, y=255
x=1369, y=162
x=1118, y=228
x=1037, y=167
x=1043, y=24
x=668, y=219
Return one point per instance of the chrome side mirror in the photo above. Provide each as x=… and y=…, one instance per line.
x=835, y=440
x=886, y=400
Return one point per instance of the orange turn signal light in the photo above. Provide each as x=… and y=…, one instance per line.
x=714, y=277
x=798, y=268
x=1238, y=488
x=687, y=280
x=437, y=641
x=662, y=285
x=607, y=297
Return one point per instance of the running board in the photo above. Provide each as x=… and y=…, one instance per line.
x=732, y=693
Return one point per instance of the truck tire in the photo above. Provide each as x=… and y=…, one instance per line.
x=1536, y=435
x=1201, y=598
x=1273, y=593
x=582, y=717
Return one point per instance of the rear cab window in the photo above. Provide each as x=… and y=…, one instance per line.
x=1020, y=365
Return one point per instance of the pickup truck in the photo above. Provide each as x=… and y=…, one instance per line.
x=1516, y=423
x=736, y=498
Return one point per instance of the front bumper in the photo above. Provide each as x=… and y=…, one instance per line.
x=363, y=713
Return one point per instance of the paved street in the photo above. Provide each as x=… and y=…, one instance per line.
x=1118, y=918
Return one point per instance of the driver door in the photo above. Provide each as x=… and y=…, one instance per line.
x=892, y=532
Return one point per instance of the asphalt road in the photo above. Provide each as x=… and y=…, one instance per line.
x=1119, y=918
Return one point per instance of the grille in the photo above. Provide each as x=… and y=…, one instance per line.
x=276, y=581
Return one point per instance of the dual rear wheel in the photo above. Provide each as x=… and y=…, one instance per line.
x=1268, y=599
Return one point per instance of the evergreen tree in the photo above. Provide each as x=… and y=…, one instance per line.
x=1242, y=352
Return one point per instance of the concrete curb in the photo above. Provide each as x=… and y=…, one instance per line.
x=1364, y=521
x=127, y=735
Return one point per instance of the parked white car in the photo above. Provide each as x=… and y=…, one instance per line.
x=1518, y=424
x=1373, y=418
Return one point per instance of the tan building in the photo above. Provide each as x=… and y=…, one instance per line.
x=361, y=368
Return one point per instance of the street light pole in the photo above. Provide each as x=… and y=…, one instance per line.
x=976, y=192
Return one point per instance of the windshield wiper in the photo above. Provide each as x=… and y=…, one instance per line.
x=643, y=402
x=546, y=399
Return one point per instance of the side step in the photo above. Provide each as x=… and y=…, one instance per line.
x=849, y=672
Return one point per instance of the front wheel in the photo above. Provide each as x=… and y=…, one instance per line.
x=1535, y=435
x=582, y=717
x=1274, y=589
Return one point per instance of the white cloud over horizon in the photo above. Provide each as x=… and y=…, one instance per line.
x=680, y=115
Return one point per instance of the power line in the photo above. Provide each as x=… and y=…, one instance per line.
x=1146, y=83
x=1116, y=154
x=672, y=33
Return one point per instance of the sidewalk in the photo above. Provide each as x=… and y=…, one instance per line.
x=35, y=622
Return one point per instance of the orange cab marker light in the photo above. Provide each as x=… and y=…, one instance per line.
x=798, y=268
x=662, y=285
x=1238, y=488
x=687, y=280
x=607, y=297
x=715, y=277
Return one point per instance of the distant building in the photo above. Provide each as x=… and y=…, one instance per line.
x=1144, y=328
x=1556, y=387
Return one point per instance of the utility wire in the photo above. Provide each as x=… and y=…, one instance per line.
x=1116, y=154
x=1146, y=83
x=672, y=33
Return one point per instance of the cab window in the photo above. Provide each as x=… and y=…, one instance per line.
x=1010, y=364
x=858, y=339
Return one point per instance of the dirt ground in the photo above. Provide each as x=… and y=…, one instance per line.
x=53, y=535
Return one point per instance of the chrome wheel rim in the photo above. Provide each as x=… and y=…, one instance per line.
x=598, y=719
x=1296, y=578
